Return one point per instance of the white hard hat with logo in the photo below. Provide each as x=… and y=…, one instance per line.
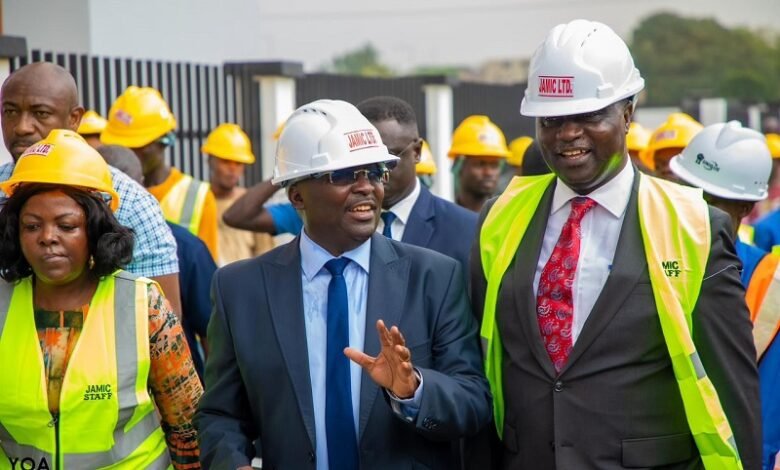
x=581, y=67
x=326, y=135
x=728, y=161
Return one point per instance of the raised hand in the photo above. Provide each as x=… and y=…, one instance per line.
x=392, y=369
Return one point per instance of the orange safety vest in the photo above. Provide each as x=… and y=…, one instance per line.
x=763, y=300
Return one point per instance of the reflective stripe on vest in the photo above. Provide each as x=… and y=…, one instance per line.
x=183, y=204
x=106, y=415
x=677, y=248
x=763, y=299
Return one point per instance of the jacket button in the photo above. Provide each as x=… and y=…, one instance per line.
x=312, y=456
x=558, y=386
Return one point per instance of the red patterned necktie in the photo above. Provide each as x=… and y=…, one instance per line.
x=554, y=299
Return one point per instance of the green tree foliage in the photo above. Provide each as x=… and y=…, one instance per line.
x=692, y=58
x=361, y=61
x=448, y=70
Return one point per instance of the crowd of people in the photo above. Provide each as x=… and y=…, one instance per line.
x=599, y=295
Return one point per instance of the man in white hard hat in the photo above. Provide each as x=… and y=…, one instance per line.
x=286, y=325
x=732, y=165
x=614, y=322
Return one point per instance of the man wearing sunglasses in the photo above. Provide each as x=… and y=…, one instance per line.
x=416, y=216
x=411, y=213
x=342, y=349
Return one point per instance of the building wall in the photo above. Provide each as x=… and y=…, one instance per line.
x=205, y=31
x=49, y=24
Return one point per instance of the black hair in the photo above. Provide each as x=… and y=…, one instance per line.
x=533, y=161
x=110, y=243
x=385, y=108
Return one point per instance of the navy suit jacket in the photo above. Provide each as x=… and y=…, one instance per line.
x=257, y=374
x=442, y=226
x=196, y=266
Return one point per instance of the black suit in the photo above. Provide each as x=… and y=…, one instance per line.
x=616, y=403
x=257, y=375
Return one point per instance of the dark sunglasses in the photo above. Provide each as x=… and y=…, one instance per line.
x=377, y=173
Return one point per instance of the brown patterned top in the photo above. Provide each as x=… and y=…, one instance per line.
x=175, y=386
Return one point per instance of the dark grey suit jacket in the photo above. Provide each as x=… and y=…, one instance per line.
x=616, y=403
x=257, y=375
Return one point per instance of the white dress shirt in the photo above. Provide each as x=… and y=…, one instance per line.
x=402, y=209
x=315, y=280
x=600, y=231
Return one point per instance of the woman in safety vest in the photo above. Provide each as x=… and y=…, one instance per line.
x=83, y=343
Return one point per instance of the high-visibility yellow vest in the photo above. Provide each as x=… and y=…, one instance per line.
x=106, y=417
x=675, y=226
x=183, y=204
x=763, y=300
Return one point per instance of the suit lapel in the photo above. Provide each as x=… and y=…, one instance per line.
x=627, y=266
x=387, y=283
x=521, y=277
x=419, y=227
x=283, y=280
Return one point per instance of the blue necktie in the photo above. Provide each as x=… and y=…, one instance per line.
x=388, y=218
x=339, y=421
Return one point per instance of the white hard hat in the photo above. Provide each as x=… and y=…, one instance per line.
x=326, y=135
x=726, y=160
x=581, y=67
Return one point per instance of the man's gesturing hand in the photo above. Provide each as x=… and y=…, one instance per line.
x=392, y=369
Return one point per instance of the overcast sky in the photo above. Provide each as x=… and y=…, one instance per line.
x=408, y=33
x=419, y=32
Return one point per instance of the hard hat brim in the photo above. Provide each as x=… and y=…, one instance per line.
x=245, y=158
x=131, y=142
x=552, y=108
x=706, y=186
x=10, y=186
x=333, y=166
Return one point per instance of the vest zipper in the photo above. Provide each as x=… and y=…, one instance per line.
x=55, y=423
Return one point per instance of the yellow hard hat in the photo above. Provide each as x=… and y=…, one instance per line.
x=638, y=137
x=773, y=142
x=676, y=132
x=518, y=148
x=91, y=123
x=477, y=136
x=426, y=165
x=137, y=118
x=229, y=142
x=279, y=129
x=65, y=158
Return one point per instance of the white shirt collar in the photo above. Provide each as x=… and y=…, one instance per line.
x=403, y=208
x=612, y=195
x=314, y=257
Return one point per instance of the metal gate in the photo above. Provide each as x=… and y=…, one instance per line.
x=200, y=96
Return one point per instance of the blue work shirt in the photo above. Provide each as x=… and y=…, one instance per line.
x=286, y=218
x=768, y=368
x=750, y=256
x=769, y=377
